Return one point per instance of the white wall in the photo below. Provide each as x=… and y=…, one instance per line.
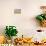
x=25, y=22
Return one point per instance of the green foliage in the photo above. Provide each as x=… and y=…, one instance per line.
x=45, y=16
x=11, y=31
x=41, y=17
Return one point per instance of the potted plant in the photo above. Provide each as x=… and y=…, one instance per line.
x=42, y=17
x=10, y=31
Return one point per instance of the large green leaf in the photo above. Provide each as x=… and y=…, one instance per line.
x=40, y=18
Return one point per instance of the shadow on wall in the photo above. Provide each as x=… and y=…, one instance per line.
x=34, y=22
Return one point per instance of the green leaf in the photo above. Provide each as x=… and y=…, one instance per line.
x=40, y=18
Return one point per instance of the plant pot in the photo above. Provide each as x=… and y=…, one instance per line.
x=43, y=23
